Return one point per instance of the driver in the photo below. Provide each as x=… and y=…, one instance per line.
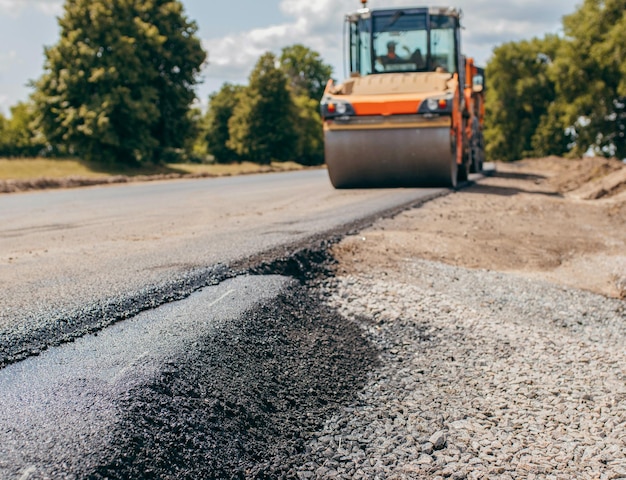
x=391, y=56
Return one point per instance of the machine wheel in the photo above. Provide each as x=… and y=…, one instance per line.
x=454, y=174
x=476, y=160
x=454, y=167
x=476, y=150
x=463, y=172
x=481, y=151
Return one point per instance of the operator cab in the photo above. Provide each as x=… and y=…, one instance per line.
x=404, y=40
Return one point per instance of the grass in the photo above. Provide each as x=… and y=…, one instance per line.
x=23, y=169
x=32, y=168
x=235, y=168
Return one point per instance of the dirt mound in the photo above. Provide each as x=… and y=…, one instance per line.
x=611, y=185
x=588, y=178
x=556, y=219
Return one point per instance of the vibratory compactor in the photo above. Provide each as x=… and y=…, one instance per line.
x=411, y=112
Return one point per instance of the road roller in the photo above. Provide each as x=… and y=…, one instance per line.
x=410, y=113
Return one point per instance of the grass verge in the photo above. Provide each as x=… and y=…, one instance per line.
x=35, y=168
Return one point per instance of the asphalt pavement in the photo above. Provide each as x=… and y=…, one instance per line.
x=75, y=261
x=172, y=329
x=58, y=411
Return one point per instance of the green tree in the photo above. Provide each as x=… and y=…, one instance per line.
x=18, y=137
x=118, y=85
x=221, y=108
x=520, y=98
x=591, y=73
x=261, y=128
x=306, y=72
x=3, y=135
x=551, y=136
x=310, y=136
x=195, y=148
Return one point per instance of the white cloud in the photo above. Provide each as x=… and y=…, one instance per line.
x=318, y=25
x=319, y=13
x=16, y=7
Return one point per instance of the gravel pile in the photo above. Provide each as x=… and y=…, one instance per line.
x=483, y=375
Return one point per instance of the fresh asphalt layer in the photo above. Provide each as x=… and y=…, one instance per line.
x=59, y=410
x=75, y=261
x=223, y=384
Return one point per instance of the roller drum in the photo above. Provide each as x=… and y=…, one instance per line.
x=390, y=157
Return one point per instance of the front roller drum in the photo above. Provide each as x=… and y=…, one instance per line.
x=391, y=157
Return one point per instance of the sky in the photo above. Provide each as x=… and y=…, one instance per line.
x=237, y=32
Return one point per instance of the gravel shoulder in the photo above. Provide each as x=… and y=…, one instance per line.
x=498, y=312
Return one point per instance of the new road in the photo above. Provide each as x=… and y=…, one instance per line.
x=112, y=298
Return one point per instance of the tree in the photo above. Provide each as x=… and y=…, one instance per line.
x=262, y=125
x=18, y=138
x=3, y=135
x=118, y=85
x=306, y=72
x=520, y=100
x=591, y=76
x=551, y=136
x=310, y=136
x=221, y=108
x=307, y=76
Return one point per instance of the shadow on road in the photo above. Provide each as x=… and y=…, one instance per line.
x=518, y=176
x=506, y=191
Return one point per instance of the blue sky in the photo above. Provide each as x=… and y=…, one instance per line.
x=237, y=32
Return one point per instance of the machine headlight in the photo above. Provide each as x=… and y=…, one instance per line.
x=330, y=108
x=437, y=105
x=432, y=104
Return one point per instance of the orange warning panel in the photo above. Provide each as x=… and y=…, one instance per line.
x=385, y=106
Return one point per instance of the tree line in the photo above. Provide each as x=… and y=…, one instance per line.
x=276, y=116
x=561, y=95
x=118, y=87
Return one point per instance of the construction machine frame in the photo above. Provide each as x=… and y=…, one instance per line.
x=411, y=112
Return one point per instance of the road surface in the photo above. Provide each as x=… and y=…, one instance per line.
x=168, y=259
x=73, y=261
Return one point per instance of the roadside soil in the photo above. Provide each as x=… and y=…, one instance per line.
x=554, y=219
